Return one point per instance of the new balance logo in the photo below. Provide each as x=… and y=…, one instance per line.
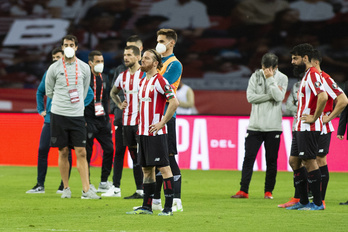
x=157, y=159
x=277, y=136
x=301, y=153
x=321, y=150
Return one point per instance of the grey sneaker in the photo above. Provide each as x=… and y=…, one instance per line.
x=91, y=187
x=104, y=187
x=90, y=195
x=37, y=189
x=66, y=193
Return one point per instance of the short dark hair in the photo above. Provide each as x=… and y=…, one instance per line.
x=92, y=54
x=56, y=50
x=302, y=50
x=70, y=37
x=157, y=57
x=269, y=60
x=135, y=49
x=134, y=38
x=317, y=56
x=170, y=33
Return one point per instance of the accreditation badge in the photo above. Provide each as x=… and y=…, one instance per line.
x=74, y=95
x=99, y=109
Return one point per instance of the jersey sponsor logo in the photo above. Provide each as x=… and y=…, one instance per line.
x=130, y=91
x=146, y=99
x=317, y=84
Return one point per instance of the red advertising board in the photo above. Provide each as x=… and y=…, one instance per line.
x=204, y=142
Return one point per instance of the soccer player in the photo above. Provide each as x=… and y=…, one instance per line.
x=312, y=99
x=97, y=118
x=334, y=94
x=172, y=71
x=266, y=91
x=67, y=83
x=154, y=91
x=128, y=81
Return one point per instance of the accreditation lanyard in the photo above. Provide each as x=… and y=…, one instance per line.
x=66, y=73
x=95, y=89
x=98, y=107
x=73, y=93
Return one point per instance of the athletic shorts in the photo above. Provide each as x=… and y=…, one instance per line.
x=153, y=151
x=130, y=137
x=305, y=144
x=67, y=131
x=171, y=126
x=324, y=144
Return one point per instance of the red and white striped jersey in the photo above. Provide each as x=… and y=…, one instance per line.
x=130, y=86
x=311, y=85
x=333, y=91
x=153, y=94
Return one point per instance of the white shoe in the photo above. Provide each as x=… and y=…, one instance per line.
x=104, y=187
x=157, y=206
x=91, y=187
x=36, y=189
x=112, y=192
x=177, y=205
x=66, y=193
x=90, y=194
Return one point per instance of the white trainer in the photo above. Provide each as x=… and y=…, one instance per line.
x=177, y=205
x=112, y=192
x=91, y=187
x=157, y=206
x=36, y=189
x=90, y=194
x=66, y=193
x=104, y=187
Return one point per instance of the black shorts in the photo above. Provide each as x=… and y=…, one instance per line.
x=153, y=151
x=171, y=126
x=324, y=144
x=130, y=137
x=305, y=144
x=67, y=131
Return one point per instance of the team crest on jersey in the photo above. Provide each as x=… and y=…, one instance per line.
x=334, y=85
x=152, y=87
x=168, y=87
x=317, y=84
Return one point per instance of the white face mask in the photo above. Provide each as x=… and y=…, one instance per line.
x=99, y=68
x=69, y=52
x=161, y=48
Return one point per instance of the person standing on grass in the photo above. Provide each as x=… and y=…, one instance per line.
x=336, y=94
x=154, y=91
x=67, y=83
x=97, y=118
x=266, y=91
x=128, y=82
x=44, y=146
x=312, y=99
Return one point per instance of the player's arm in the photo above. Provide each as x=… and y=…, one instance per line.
x=277, y=90
x=172, y=106
x=50, y=82
x=173, y=72
x=252, y=96
x=89, y=97
x=40, y=93
x=190, y=99
x=342, y=125
x=321, y=102
x=115, y=98
x=341, y=103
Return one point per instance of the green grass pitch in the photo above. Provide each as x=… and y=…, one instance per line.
x=206, y=201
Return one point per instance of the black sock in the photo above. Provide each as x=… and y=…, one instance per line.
x=159, y=180
x=297, y=193
x=168, y=193
x=314, y=180
x=137, y=170
x=324, y=180
x=149, y=189
x=177, y=176
x=300, y=179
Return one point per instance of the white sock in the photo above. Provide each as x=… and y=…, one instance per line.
x=156, y=201
x=140, y=191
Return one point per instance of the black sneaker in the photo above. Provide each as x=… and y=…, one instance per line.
x=134, y=196
x=37, y=189
x=344, y=203
x=60, y=189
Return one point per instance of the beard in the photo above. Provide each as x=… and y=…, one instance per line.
x=146, y=68
x=130, y=64
x=299, y=70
